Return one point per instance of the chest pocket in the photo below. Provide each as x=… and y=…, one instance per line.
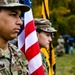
x=3, y=69
x=19, y=67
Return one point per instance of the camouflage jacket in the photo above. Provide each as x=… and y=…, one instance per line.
x=13, y=62
x=45, y=64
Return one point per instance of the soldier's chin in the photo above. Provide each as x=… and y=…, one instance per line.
x=46, y=47
x=12, y=37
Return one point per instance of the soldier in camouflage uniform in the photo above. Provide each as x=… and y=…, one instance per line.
x=44, y=30
x=12, y=60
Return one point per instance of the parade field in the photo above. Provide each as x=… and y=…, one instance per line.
x=65, y=65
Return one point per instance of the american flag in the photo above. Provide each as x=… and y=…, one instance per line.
x=28, y=42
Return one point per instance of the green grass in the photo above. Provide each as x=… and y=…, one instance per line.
x=65, y=65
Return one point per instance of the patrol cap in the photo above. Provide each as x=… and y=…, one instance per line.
x=53, y=29
x=13, y=3
x=44, y=25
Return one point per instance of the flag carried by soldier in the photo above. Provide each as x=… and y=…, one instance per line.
x=45, y=9
x=28, y=42
x=50, y=52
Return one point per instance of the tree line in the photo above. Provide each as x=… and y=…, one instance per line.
x=62, y=15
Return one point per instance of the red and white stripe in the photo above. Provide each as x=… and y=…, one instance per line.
x=29, y=45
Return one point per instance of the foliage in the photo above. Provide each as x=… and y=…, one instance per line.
x=62, y=15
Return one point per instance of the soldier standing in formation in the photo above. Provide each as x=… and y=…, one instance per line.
x=12, y=61
x=44, y=34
